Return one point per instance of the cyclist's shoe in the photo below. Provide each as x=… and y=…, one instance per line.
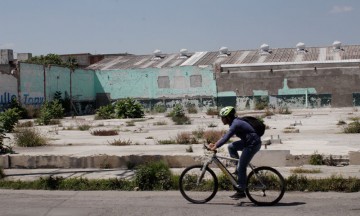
x=238, y=195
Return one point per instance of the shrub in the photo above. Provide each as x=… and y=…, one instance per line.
x=189, y=149
x=261, y=102
x=212, y=125
x=105, y=112
x=9, y=118
x=130, y=123
x=341, y=122
x=32, y=111
x=104, y=132
x=21, y=110
x=29, y=137
x=50, y=110
x=316, y=159
x=128, y=108
x=4, y=149
x=154, y=175
x=353, y=127
x=159, y=108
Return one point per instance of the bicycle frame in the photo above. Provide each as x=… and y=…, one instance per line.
x=226, y=172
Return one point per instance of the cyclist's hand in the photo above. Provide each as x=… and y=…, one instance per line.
x=212, y=146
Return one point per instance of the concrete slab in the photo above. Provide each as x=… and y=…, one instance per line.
x=318, y=132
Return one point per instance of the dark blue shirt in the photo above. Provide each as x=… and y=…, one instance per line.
x=238, y=127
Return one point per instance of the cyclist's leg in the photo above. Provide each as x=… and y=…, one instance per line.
x=234, y=147
x=246, y=156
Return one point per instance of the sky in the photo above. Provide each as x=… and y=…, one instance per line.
x=139, y=27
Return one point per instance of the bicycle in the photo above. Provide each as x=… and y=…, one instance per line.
x=199, y=184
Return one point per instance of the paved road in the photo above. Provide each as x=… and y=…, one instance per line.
x=27, y=202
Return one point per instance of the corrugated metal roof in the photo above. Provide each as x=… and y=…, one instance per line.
x=241, y=57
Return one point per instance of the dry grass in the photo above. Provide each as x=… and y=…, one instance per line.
x=185, y=138
x=119, y=142
x=211, y=136
x=104, y=132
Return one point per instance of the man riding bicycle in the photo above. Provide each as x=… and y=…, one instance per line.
x=249, y=144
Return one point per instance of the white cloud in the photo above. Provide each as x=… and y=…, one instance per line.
x=340, y=9
x=7, y=45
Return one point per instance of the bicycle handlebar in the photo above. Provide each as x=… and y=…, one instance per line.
x=206, y=146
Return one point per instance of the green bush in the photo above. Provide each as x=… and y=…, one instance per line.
x=128, y=108
x=154, y=175
x=353, y=127
x=178, y=115
x=316, y=159
x=3, y=148
x=105, y=112
x=159, y=108
x=50, y=110
x=9, y=118
x=21, y=110
x=29, y=137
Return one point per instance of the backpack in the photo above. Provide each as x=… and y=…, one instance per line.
x=258, y=125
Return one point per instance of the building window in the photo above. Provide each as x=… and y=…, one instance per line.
x=163, y=82
x=195, y=81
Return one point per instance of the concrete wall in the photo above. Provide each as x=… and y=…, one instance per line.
x=38, y=83
x=151, y=85
x=312, y=87
x=8, y=89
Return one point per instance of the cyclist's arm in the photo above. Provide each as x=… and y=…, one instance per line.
x=225, y=138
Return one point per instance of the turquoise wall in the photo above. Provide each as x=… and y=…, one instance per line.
x=147, y=83
x=31, y=84
x=56, y=79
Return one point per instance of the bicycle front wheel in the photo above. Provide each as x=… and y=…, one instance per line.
x=197, y=186
x=265, y=186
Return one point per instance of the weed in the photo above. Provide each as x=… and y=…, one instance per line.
x=50, y=110
x=341, y=122
x=316, y=159
x=166, y=141
x=192, y=109
x=211, y=125
x=269, y=112
x=32, y=111
x=120, y=142
x=2, y=174
x=189, y=149
x=181, y=120
x=302, y=170
x=84, y=127
x=353, y=127
x=160, y=123
x=284, y=110
x=198, y=133
x=29, y=137
x=128, y=108
x=104, y=132
x=212, y=111
x=354, y=118
x=149, y=137
x=54, y=122
x=159, y=108
x=185, y=138
x=25, y=124
x=130, y=123
x=211, y=136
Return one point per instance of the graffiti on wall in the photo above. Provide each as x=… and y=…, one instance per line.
x=31, y=100
x=6, y=97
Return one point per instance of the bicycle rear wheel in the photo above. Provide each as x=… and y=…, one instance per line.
x=195, y=188
x=265, y=186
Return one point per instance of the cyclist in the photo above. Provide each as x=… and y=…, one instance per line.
x=249, y=144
